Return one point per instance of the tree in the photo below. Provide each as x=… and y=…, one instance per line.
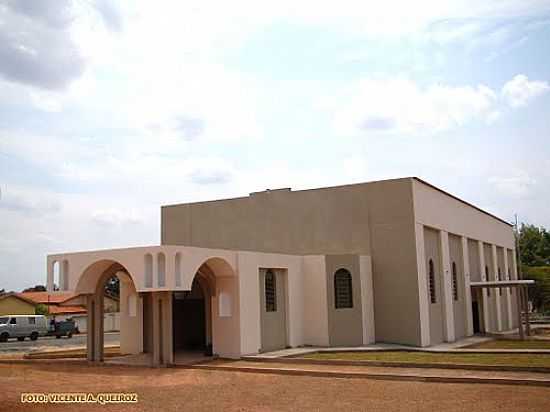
x=37, y=288
x=112, y=286
x=41, y=309
x=539, y=292
x=534, y=245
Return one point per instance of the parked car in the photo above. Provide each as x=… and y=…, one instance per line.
x=22, y=326
x=65, y=327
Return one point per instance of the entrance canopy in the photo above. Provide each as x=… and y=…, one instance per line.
x=502, y=283
x=521, y=298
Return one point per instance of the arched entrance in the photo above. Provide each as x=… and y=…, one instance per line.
x=192, y=315
x=98, y=285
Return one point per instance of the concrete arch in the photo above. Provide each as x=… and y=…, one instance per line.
x=97, y=273
x=217, y=267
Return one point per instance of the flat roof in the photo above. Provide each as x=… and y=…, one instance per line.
x=502, y=283
x=288, y=189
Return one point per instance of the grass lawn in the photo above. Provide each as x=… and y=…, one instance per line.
x=511, y=344
x=519, y=359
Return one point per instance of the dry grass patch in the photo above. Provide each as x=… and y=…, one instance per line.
x=511, y=344
x=489, y=359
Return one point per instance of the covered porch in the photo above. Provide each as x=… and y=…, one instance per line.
x=177, y=304
x=522, y=312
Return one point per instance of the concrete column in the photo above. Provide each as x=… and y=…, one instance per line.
x=467, y=288
x=507, y=295
x=484, y=298
x=497, y=294
x=94, y=332
x=447, y=288
x=163, y=353
x=518, y=302
x=423, y=299
x=526, y=310
x=90, y=325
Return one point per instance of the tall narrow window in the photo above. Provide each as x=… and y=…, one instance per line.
x=455, y=282
x=499, y=279
x=343, y=292
x=487, y=279
x=431, y=281
x=270, y=291
x=148, y=270
x=510, y=278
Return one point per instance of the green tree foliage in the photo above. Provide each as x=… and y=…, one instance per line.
x=112, y=287
x=41, y=309
x=37, y=288
x=534, y=245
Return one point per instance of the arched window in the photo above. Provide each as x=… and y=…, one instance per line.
x=455, y=282
x=270, y=291
x=343, y=292
x=177, y=269
x=148, y=270
x=161, y=270
x=431, y=281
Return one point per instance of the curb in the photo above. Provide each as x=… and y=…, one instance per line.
x=343, y=362
x=375, y=376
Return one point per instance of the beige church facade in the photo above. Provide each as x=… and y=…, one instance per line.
x=397, y=261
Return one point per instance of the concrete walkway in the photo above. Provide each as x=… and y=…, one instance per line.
x=453, y=347
x=373, y=372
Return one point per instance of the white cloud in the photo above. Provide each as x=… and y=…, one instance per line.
x=520, y=90
x=400, y=105
x=516, y=184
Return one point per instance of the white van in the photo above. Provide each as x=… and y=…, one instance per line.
x=22, y=326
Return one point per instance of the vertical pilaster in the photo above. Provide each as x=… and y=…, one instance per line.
x=467, y=288
x=497, y=294
x=448, y=313
x=484, y=299
x=423, y=299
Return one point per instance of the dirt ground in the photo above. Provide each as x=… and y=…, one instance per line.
x=203, y=390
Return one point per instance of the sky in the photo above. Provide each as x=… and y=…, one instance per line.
x=110, y=109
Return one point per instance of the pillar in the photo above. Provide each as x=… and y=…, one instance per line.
x=507, y=295
x=467, y=288
x=94, y=303
x=497, y=294
x=518, y=302
x=484, y=298
x=448, y=313
x=423, y=299
x=163, y=353
x=526, y=310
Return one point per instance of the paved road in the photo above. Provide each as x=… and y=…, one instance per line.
x=50, y=342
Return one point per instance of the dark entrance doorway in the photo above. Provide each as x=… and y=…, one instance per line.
x=475, y=315
x=189, y=319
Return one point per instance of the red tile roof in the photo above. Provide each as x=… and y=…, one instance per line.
x=63, y=310
x=47, y=297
